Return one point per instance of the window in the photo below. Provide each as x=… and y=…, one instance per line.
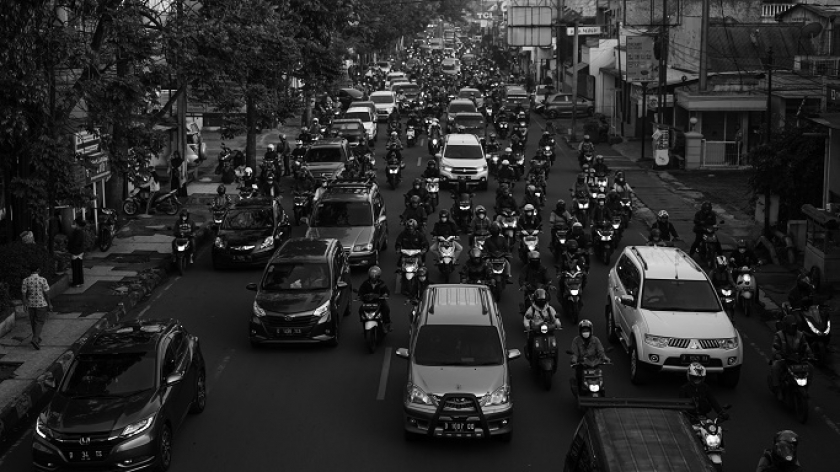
x=470, y=121
x=629, y=275
x=110, y=374
x=679, y=295
x=462, y=152
x=323, y=155
x=466, y=107
x=382, y=99
x=359, y=115
x=338, y=214
x=439, y=345
x=560, y=99
x=247, y=219
x=297, y=276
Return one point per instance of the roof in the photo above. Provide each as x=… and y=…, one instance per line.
x=459, y=304
x=831, y=120
x=327, y=142
x=382, y=92
x=743, y=46
x=129, y=336
x=667, y=263
x=304, y=249
x=462, y=139
x=827, y=11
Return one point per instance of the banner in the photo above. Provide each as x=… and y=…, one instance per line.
x=640, y=60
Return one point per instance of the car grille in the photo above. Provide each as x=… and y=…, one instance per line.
x=283, y=321
x=96, y=439
x=458, y=404
x=464, y=170
x=242, y=248
x=683, y=343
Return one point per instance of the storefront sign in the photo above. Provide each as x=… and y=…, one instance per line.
x=93, y=164
x=832, y=98
x=584, y=31
x=640, y=60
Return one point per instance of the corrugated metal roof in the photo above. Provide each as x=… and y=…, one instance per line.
x=821, y=10
x=743, y=47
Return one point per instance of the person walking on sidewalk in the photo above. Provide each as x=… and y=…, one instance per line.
x=76, y=248
x=36, y=299
x=175, y=164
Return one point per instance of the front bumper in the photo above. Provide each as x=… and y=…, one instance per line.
x=129, y=455
x=279, y=329
x=478, y=179
x=226, y=257
x=361, y=259
x=677, y=360
x=490, y=421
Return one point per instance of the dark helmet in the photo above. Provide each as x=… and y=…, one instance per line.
x=443, y=214
x=571, y=245
x=561, y=206
x=221, y=189
x=706, y=207
x=495, y=229
x=422, y=273
x=475, y=254
x=432, y=164
x=655, y=234
x=418, y=182
x=619, y=177
x=789, y=324
x=581, y=178
x=613, y=196
x=584, y=326
x=185, y=214
x=529, y=210
x=415, y=200
x=784, y=448
x=374, y=273
x=804, y=282
x=540, y=298
x=577, y=228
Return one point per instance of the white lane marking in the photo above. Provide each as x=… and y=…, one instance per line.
x=423, y=142
x=144, y=310
x=220, y=369
x=167, y=287
x=419, y=160
x=24, y=437
x=383, y=376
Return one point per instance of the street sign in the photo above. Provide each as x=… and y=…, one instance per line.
x=584, y=30
x=640, y=60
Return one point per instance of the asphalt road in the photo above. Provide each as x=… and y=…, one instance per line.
x=320, y=408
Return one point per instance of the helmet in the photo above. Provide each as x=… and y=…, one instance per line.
x=508, y=150
x=393, y=134
x=495, y=229
x=599, y=158
x=655, y=234
x=431, y=164
x=422, y=272
x=586, y=137
x=415, y=199
x=585, y=326
x=619, y=176
x=546, y=134
x=696, y=372
x=601, y=198
x=663, y=215
x=789, y=324
x=480, y=210
x=492, y=135
x=581, y=178
x=411, y=224
x=185, y=213
x=534, y=256
x=505, y=162
x=561, y=205
x=540, y=297
x=577, y=227
x=571, y=245
x=531, y=188
x=374, y=272
x=418, y=181
x=529, y=209
x=784, y=452
x=804, y=282
x=706, y=206
x=315, y=121
x=742, y=244
x=221, y=189
x=443, y=214
x=283, y=137
x=475, y=253
x=248, y=171
x=270, y=147
x=612, y=196
x=786, y=435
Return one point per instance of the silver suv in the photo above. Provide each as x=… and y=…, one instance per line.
x=458, y=377
x=665, y=312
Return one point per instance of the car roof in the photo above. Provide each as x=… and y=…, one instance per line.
x=469, y=114
x=382, y=92
x=451, y=304
x=363, y=104
x=350, y=190
x=462, y=140
x=461, y=101
x=328, y=142
x=665, y=263
x=305, y=250
x=346, y=120
x=468, y=89
x=128, y=336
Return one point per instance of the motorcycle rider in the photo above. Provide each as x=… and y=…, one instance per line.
x=702, y=219
x=782, y=456
x=545, y=139
x=445, y=227
x=539, y=311
x=533, y=276
x=315, y=128
x=248, y=179
x=394, y=120
x=599, y=167
x=498, y=244
x=655, y=238
x=305, y=136
x=698, y=390
x=506, y=172
x=185, y=228
x=475, y=269
x=665, y=227
x=221, y=200
x=479, y=223
x=600, y=212
x=530, y=219
x=788, y=343
x=582, y=240
x=570, y=259
x=584, y=146
x=418, y=188
x=270, y=157
x=560, y=217
x=374, y=284
x=394, y=144
x=422, y=281
x=531, y=197
x=505, y=200
x=581, y=186
x=621, y=186
x=411, y=238
x=284, y=150
x=614, y=204
x=493, y=144
x=432, y=171
x=415, y=211
x=414, y=120
x=802, y=294
x=586, y=347
x=742, y=256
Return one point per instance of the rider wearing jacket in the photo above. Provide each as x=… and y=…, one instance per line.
x=415, y=211
x=788, y=343
x=475, y=269
x=221, y=200
x=743, y=256
x=374, y=284
x=185, y=228
x=545, y=139
x=479, y=223
x=530, y=219
x=586, y=347
x=782, y=457
x=493, y=144
x=801, y=296
x=531, y=198
x=432, y=171
x=411, y=238
x=418, y=189
x=599, y=167
x=497, y=243
x=539, y=311
x=697, y=390
x=581, y=186
x=702, y=219
x=666, y=229
x=506, y=172
x=560, y=215
x=534, y=275
x=600, y=213
x=582, y=240
x=720, y=275
x=505, y=200
x=394, y=144
x=584, y=146
x=445, y=227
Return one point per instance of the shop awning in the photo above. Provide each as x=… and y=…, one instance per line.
x=831, y=120
x=821, y=216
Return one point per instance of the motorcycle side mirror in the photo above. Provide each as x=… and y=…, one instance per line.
x=513, y=354
x=251, y=286
x=402, y=352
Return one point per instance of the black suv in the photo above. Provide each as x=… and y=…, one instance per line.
x=325, y=159
x=124, y=395
x=252, y=229
x=354, y=213
x=304, y=293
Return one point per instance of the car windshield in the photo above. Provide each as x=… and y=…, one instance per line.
x=409, y=88
x=357, y=115
x=468, y=93
x=296, y=276
x=323, y=154
x=347, y=127
x=463, y=152
x=679, y=295
x=470, y=121
x=462, y=108
x=99, y=375
x=382, y=99
x=333, y=214
x=252, y=218
x=383, y=64
x=561, y=98
x=449, y=66
x=458, y=345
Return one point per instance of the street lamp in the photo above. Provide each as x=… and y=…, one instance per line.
x=692, y=122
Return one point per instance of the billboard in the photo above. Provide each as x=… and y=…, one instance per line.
x=641, y=65
x=529, y=16
x=529, y=36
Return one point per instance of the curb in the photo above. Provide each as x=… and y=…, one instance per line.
x=19, y=412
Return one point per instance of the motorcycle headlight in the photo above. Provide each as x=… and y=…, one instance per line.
x=219, y=243
x=657, y=341
x=712, y=440
x=747, y=278
x=363, y=247
x=138, y=427
x=802, y=381
x=415, y=395
x=594, y=388
x=267, y=243
x=574, y=291
x=543, y=329
x=728, y=343
x=500, y=397
x=322, y=313
x=258, y=310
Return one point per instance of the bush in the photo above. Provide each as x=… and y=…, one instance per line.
x=16, y=257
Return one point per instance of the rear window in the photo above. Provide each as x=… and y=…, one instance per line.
x=252, y=218
x=323, y=155
x=383, y=64
x=468, y=93
x=382, y=99
x=462, y=152
x=358, y=115
x=347, y=126
x=462, y=108
x=449, y=67
x=679, y=295
x=455, y=345
x=469, y=121
x=408, y=88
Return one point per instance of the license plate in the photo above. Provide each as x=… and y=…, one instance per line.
x=689, y=358
x=241, y=258
x=85, y=455
x=289, y=331
x=458, y=427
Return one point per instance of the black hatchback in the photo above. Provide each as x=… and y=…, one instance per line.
x=123, y=397
x=251, y=231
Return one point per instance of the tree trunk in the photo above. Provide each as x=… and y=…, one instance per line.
x=116, y=188
x=251, y=127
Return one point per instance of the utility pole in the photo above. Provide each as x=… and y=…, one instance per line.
x=573, y=136
x=704, y=46
x=644, y=117
x=181, y=142
x=560, y=72
x=663, y=64
x=768, y=132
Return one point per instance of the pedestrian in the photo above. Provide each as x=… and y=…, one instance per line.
x=153, y=187
x=76, y=248
x=176, y=162
x=284, y=150
x=36, y=299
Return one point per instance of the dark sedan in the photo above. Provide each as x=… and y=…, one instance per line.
x=250, y=233
x=348, y=95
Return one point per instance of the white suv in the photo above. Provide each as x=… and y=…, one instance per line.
x=385, y=103
x=665, y=312
x=462, y=158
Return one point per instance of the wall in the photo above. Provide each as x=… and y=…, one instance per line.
x=599, y=53
x=638, y=11
x=832, y=171
x=821, y=42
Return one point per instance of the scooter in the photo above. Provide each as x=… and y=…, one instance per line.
x=604, y=235
x=709, y=247
x=433, y=187
x=586, y=158
x=502, y=127
x=558, y=247
x=710, y=433
x=497, y=262
x=434, y=144
x=165, y=203
x=479, y=238
x=727, y=297
x=371, y=318
x=815, y=324
x=618, y=228
x=493, y=163
x=407, y=282
x=592, y=379
x=462, y=211
x=519, y=164
x=107, y=228
x=542, y=352
x=183, y=249
x=410, y=136
x=580, y=208
x=394, y=172
x=745, y=287
x=509, y=221
x=303, y=204
x=446, y=256
x=572, y=301
x=794, y=386
x=601, y=182
x=529, y=240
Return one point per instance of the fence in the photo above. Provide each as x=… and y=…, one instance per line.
x=721, y=154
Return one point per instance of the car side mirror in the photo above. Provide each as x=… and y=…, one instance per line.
x=627, y=300
x=251, y=286
x=341, y=284
x=49, y=382
x=513, y=354
x=174, y=379
x=402, y=352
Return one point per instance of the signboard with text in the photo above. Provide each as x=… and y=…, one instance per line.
x=93, y=164
x=640, y=60
x=584, y=31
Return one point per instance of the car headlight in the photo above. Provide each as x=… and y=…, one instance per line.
x=322, y=313
x=415, y=395
x=258, y=310
x=41, y=430
x=363, y=247
x=138, y=427
x=447, y=168
x=500, y=397
x=482, y=169
x=267, y=243
x=220, y=243
x=657, y=341
x=713, y=440
x=728, y=343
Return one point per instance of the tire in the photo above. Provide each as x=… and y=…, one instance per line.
x=393, y=183
x=371, y=340
x=130, y=207
x=816, y=277
x=801, y=407
x=200, y=400
x=164, y=448
x=444, y=274
x=375, y=258
x=181, y=264
x=174, y=207
x=820, y=352
x=105, y=240
x=605, y=256
x=730, y=377
x=638, y=374
x=546, y=376
x=574, y=312
x=746, y=307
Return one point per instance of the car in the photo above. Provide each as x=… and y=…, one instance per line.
x=348, y=95
x=458, y=375
x=351, y=129
x=126, y=393
x=304, y=293
x=469, y=92
x=384, y=66
x=385, y=103
x=353, y=213
x=560, y=104
x=366, y=104
x=395, y=76
x=462, y=158
x=459, y=105
x=410, y=89
x=326, y=158
x=473, y=123
x=541, y=92
x=250, y=232
x=368, y=120
x=663, y=309
x=450, y=65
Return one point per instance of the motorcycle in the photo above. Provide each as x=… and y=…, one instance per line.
x=727, y=297
x=710, y=434
x=446, y=256
x=580, y=208
x=586, y=158
x=394, y=172
x=410, y=136
x=497, y=262
x=479, y=238
x=618, y=228
x=462, y=211
x=225, y=165
x=107, y=228
x=218, y=211
x=183, y=249
x=522, y=130
x=519, y=164
x=433, y=187
x=434, y=144
x=558, y=247
x=493, y=163
x=165, y=203
x=270, y=184
x=592, y=379
x=604, y=236
x=745, y=287
x=371, y=318
x=601, y=182
x=572, y=301
x=529, y=240
x=407, y=282
x=502, y=129
x=509, y=221
x=815, y=324
x=794, y=386
x=627, y=210
x=302, y=204
x=542, y=352
x=709, y=247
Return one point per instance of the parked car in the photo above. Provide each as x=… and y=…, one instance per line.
x=249, y=234
x=561, y=104
x=126, y=393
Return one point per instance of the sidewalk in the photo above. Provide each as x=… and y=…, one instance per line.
x=115, y=282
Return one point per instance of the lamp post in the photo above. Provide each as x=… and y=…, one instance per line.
x=692, y=122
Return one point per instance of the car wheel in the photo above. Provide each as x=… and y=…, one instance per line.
x=164, y=449
x=200, y=400
x=612, y=332
x=336, y=331
x=730, y=377
x=638, y=374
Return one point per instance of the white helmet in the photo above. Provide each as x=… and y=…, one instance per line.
x=270, y=147
x=696, y=371
x=249, y=171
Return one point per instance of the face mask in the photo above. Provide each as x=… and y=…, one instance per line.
x=482, y=215
x=444, y=220
x=586, y=334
